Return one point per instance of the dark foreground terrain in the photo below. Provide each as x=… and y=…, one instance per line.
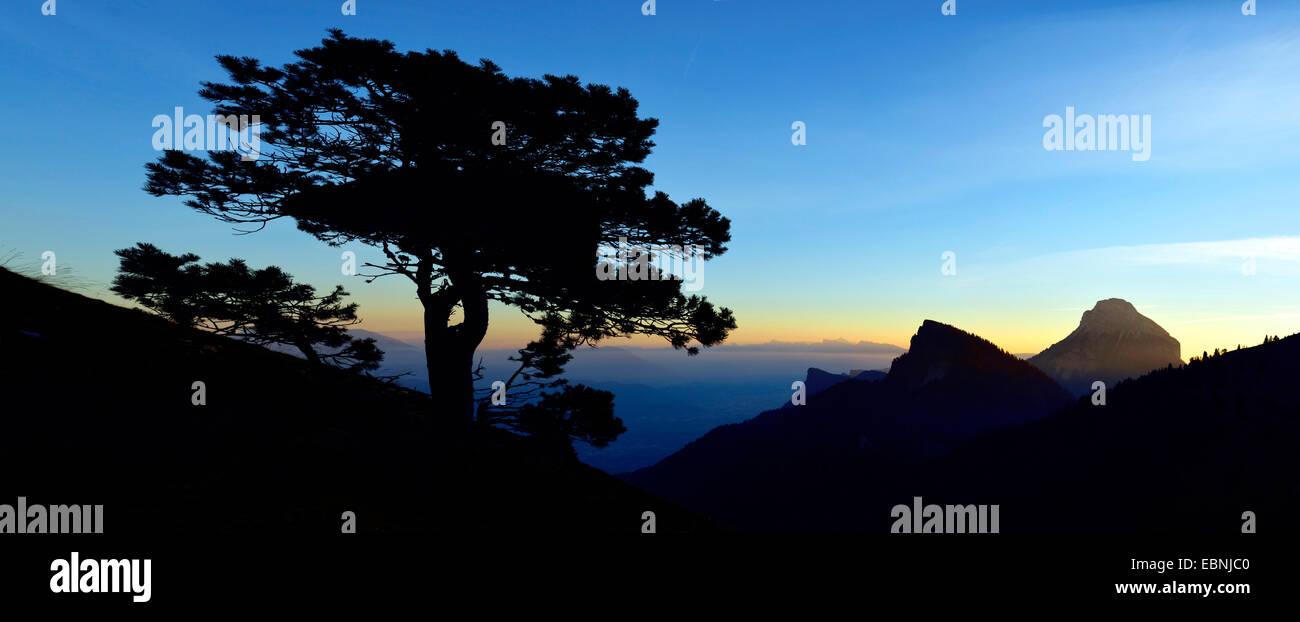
x=957, y=421
x=96, y=408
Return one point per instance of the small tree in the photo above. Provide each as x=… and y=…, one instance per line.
x=557, y=418
x=259, y=306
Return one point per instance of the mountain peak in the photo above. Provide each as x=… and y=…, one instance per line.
x=932, y=335
x=938, y=349
x=936, y=337
x=1116, y=313
x=1114, y=305
x=1113, y=341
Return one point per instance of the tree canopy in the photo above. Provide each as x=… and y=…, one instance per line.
x=263, y=306
x=475, y=186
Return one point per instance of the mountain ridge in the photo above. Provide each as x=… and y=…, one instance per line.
x=949, y=387
x=1178, y=449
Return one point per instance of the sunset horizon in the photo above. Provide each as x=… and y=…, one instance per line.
x=1000, y=294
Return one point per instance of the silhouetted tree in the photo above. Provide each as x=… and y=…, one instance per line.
x=259, y=306
x=475, y=186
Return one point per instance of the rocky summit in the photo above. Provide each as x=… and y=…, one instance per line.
x=1113, y=342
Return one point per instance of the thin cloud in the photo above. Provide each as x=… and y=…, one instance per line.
x=1279, y=249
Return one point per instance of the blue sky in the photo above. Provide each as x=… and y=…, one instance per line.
x=924, y=135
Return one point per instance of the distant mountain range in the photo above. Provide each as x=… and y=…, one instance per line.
x=818, y=380
x=1113, y=342
x=777, y=363
x=667, y=399
x=949, y=387
x=958, y=420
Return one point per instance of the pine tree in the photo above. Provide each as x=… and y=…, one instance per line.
x=475, y=186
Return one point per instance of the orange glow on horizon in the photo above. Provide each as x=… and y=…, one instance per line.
x=1025, y=333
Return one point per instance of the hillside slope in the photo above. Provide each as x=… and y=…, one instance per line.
x=1184, y=449
x=96, y=408
x=1181, y=449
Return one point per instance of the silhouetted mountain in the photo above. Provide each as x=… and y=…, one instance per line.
x=859, y=372
x=98, y=408
x=386, y=343
x=1113, y=342
x=945, y=355
x=819, y=380
x=803, y=467
x=1183, y=449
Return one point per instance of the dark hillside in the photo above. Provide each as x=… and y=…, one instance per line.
x=96, y=408
x=1181, y=450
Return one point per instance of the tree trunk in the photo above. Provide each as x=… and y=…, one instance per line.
x=450, y=364
x=449, y=350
